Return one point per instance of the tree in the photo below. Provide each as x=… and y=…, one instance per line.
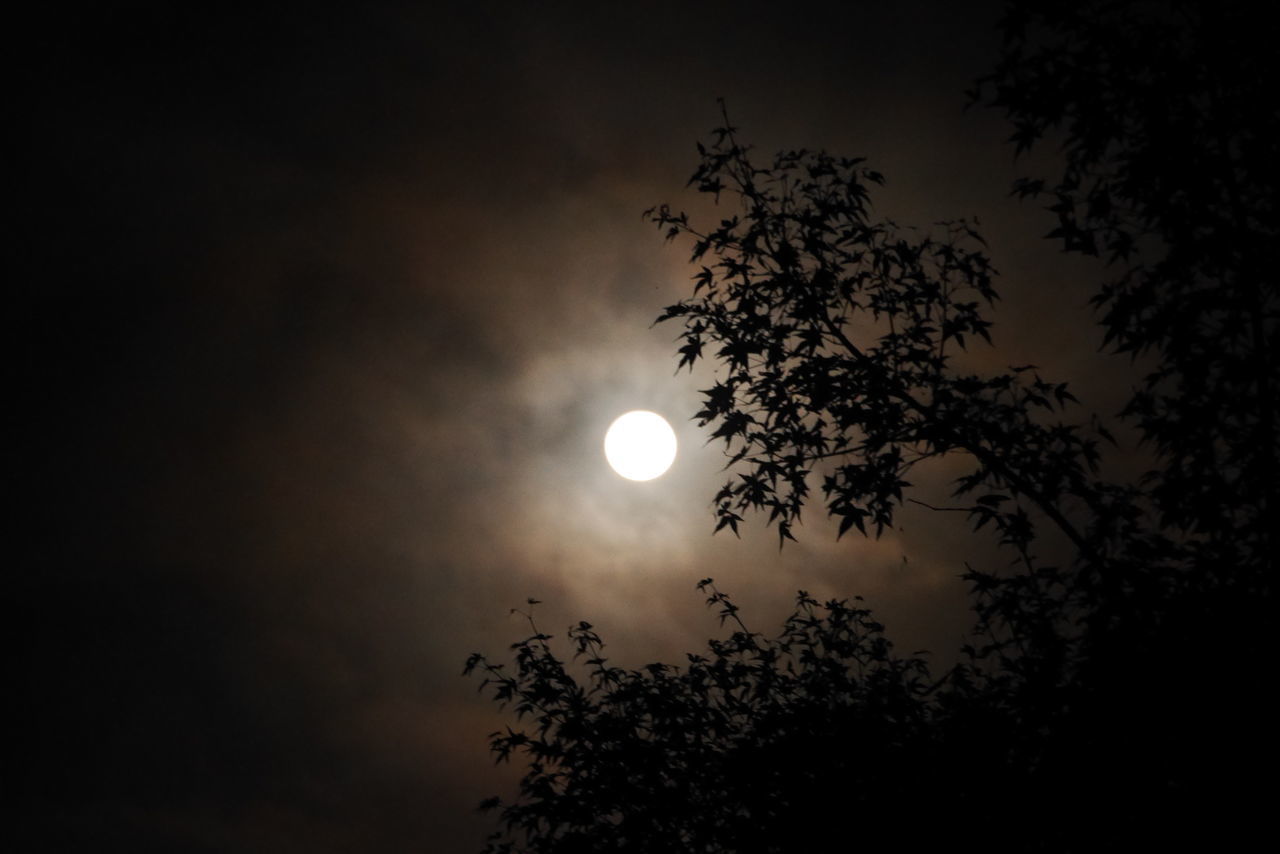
x=1170, y=172
x=1112, y=684
x=665, y=758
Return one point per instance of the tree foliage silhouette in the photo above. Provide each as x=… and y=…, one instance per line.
x=1170, y=172
x=1114, y=690
x=665, y=758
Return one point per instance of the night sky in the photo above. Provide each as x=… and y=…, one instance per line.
x=318, y=323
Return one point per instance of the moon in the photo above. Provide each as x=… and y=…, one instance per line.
x=640, y=445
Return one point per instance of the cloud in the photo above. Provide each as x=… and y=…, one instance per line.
x=326, y=320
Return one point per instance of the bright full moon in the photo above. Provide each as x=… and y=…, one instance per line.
x=640, y=445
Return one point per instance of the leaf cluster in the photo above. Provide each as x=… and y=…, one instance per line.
x=747, y=747
x=835, y=332
x=1169, y=173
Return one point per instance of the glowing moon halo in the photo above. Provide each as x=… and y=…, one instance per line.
x=640, y=445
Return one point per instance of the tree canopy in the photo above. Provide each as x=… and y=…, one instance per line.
x=1116, y=692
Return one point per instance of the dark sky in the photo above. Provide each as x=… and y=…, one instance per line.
x=319, y=320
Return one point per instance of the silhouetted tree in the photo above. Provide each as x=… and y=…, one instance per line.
x=761, y=744
x=1116, y=691
x=1171, y=122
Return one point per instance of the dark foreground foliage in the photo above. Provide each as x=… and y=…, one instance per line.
x=823, y=732
x=1117, y=697
x=738, y=750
